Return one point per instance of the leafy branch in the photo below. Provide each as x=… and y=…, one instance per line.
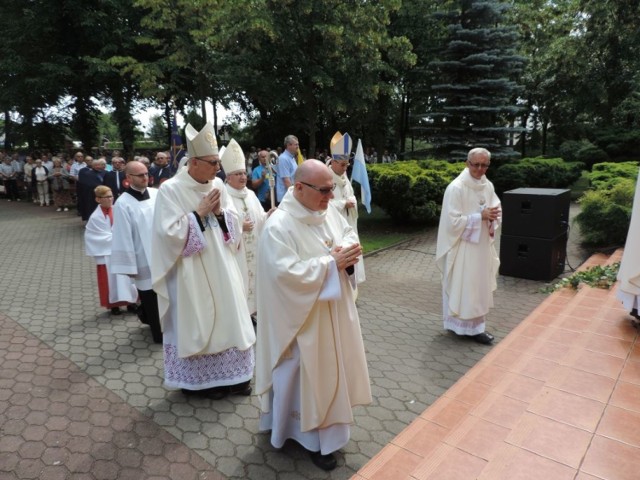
x=598, y=277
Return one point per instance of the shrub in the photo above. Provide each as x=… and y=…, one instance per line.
x=619, y=143
x=589, y=154
x=569, y=149
x=605, y=175
x=536, y=173
x=411, y=190
x=605, y=214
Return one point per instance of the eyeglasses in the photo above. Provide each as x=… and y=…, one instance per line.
x=214, y=163
x=145, y=174
x=238, y=174
x=323, y=190
x=107, y=196
x=479, y=165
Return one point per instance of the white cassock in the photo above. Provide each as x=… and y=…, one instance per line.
x=629, y=273
x=97, y=241
x=311, y=367
x=465, y=254
x=341, y=195
x=247, y=205
x=207, y=331
x=131, y=249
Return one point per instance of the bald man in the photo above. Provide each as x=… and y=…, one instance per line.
x=311, y=365
x=132, y=240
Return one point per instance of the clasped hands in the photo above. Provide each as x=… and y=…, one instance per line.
x=346, y=256
x=210, y=203
x=491, y=213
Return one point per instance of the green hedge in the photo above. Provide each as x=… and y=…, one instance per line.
x=605, y=214
x=536, y=173
x=605, y=175
x=605, y=211
x=411, y=190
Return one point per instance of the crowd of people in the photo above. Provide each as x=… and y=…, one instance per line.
x=241, y=266
x=246, y=265
x=250, y=264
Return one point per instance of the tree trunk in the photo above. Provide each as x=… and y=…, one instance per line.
x=8, y=142
x=545, y=123
x=85, y=122
x=404, y=121
x=122, y=101
x=168, y=117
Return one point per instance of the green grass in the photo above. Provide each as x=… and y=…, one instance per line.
x=378, y=231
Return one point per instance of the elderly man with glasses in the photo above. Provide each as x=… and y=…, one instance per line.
x=311, y=365
x=208, y=335
x=465, y=252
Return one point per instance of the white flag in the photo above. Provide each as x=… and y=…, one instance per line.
x=359, y=174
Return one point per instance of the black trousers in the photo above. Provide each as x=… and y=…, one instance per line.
x=149, y=313
x=11, y=189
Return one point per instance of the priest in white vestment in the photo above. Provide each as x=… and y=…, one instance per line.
x=252, y=215
x=131, y=251
x=311, y=365
x=207, y=331
x=465, y=252
x=344, y=198
x=114, y=290
x=629, y=273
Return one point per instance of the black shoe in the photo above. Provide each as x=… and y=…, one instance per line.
x=485, y=338
x=241, y=389
x=325, y=462
x=132, y=308
x=216, y=393
x=116, y=311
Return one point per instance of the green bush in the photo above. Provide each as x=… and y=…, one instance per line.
x=536, y=173
x=411, y=190
x=619, y=143
x=590, y=154
x=569, y=149
x=605, y=214
x=605, y=175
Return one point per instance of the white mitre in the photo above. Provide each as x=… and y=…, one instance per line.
x=340, y=146
x=202, y=143
x=233, y=158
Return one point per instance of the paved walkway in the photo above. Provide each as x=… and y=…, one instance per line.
x=81, y=392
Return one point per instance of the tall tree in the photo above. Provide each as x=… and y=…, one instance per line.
x=33, y=69
x=416, y=20
x=305, y=60
x=551, y=76
x=476, y=101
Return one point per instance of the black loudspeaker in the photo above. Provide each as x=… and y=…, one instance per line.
x=532, y=258
x=535, y=212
